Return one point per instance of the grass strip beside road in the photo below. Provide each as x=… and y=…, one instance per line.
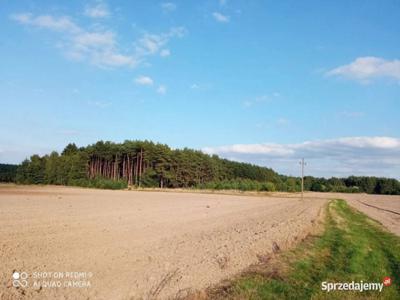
x=352, y=247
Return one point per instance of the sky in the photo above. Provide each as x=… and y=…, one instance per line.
x=266, y=82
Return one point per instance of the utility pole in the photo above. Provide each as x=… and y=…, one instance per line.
x=302, y=163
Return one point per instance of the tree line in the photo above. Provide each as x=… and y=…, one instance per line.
x=148, y=164
x=137, y=163
x=8, y=172
x=353, y=184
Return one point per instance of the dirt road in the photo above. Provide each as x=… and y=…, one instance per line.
x=383, y=208
x=129, y=245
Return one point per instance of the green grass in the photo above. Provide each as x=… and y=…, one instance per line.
x=352, y=247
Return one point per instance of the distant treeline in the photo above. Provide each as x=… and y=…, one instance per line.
x=353, y=184
x=8, y=172
x=146, y=164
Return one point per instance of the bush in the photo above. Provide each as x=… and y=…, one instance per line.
x=150, y=179
x=268, y=187
x=100, y=183
x=238, y=184
x=353, y=189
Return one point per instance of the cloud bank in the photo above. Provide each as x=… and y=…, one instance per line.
x=365, y=69
x=374, y=156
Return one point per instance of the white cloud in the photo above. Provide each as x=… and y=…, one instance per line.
x=111, y=59
x=194, y=86
x=364, y=69
x=220, y=17
x=162, y=89
x=379, y=156
x=332, y=147
x=283, y=122
x=147, y=81
x=48, y=22
x=144, y=80
x=100, y=104
x=266, y=98
x=247, y=103
x=165, y=53
x=265, y=149
x=151, y=44
x=99, y=47
x=24, y=18
x=168, y=7
x=99, y=10
x=352, y=114
x=90, y=39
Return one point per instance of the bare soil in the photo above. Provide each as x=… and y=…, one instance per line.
x=133, y=245
x=383, y=208
x=151, y=244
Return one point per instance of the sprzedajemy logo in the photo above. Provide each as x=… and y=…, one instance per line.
x=360, y=286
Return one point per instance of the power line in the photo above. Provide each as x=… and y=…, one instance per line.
x=302, y=163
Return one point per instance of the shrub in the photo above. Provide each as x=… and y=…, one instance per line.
x=268, y=187
x=100, y=183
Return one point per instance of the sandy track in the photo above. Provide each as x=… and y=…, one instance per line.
x=383, y=208
x=139, y=244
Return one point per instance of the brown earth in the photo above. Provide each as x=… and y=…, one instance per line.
x=147, y=245
x=383, y=208
x=131, y=244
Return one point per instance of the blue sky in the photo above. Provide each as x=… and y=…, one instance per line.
x=260, y=81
